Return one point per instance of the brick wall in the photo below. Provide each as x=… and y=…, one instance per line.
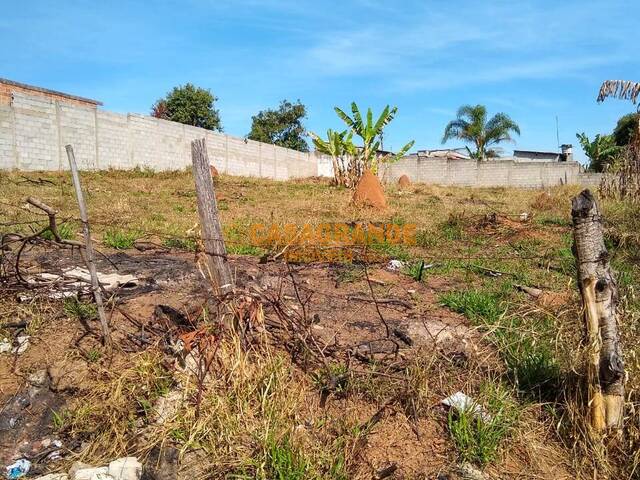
x=502, y=173
x=7, y=89
x=34, y=130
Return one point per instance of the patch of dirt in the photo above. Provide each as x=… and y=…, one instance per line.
x=345, y=316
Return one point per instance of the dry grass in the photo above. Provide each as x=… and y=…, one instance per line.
x=260, y=416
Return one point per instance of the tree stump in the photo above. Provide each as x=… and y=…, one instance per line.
x=599, y=292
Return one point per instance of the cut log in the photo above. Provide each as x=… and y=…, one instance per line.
x=600, y=296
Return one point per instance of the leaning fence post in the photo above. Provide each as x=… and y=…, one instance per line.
x=89, y=259
x=605, y=370
x=215, y=250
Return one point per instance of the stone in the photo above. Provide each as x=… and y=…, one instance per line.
x=102, y=476
x=162, y=464
x=404, y=182
x=369, y=191
x=126, y=468
x=167, y=406
x=87, y=473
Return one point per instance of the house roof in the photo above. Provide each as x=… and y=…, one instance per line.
x=534, y=152
x=50, y=92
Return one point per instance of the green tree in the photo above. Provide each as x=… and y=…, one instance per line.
x=472, y=126
x=602, y=151
x=626, y=129
x=282, y=126
x=190, y=105
x=371, y=133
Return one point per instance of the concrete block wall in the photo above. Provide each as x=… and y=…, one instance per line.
x=500, y=173
x=34, y=130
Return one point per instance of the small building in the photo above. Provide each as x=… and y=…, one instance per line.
x=9, y=87
x=565, y=155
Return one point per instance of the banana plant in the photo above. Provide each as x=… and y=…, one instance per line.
x=339, y=145
x=370, y=132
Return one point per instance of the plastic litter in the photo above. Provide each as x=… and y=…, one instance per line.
x=464, y=403
x=18, y=469
x=395, y=265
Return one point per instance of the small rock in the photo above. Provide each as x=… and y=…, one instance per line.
x=5, y=345
x=39, y=378
x=77, y=466
x=524, y=216
x=469, y=472
x=126, y=468
x=22, y=344
x=89, y=473
x=102, y=476
x=162, y=464
x=167, y=406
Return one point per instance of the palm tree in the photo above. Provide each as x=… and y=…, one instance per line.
x=471, y=126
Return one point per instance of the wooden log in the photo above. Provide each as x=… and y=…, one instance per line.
x=600, y=297
x=217, y=263
x=89, y=258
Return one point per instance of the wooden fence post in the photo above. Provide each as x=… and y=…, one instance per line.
x=600, y=296
x=89, y=258
x=216, y=253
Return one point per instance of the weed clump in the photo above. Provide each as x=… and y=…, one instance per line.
x=478, y=437
x=119, y=239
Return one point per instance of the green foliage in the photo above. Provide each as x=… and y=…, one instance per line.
x=477, y=305
x=626, y=128
x=332, y=378
x=119, y=239
x=529, y=357
x=282, y=126
x=93, y=355
x=190, y=105
x=472, y=126
x=65, y=230
x=602, y=151
x=344, y=156
x=240, y=249
x=338, y=144
x=80, y=310
x=187, y=244
x=415, y=270
x=371, y=133
x=478, y=439
x=391, y=250
x=285, y=463
x=452, y=229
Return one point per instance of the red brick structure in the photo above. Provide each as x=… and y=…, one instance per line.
x=8, y=87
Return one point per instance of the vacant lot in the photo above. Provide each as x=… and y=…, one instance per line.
x=326, y=370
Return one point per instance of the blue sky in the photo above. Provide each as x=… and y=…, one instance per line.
x=534, y=60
